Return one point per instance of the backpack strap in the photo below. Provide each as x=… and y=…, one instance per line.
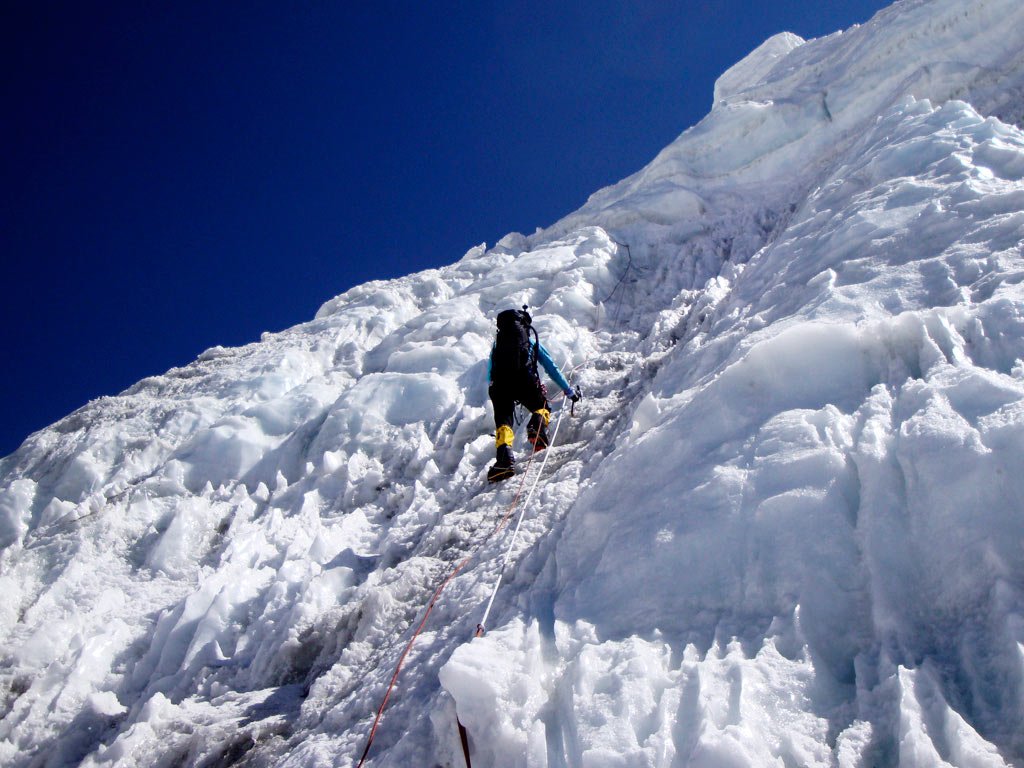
x=536, y=349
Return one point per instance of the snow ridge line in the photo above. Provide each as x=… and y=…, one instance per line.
x=455, y=572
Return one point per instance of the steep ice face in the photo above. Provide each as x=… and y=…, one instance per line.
x=821, y=470
x=785, y=528
x=783, y=114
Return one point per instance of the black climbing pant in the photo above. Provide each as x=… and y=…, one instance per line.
x=528, y=391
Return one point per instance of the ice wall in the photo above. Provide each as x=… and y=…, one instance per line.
x=785, y=528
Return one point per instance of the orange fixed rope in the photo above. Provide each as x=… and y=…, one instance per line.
x=430, y=606
x=481, y=628
x=451, y=575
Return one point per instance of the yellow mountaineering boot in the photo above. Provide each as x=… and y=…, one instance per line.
x=504, y=467
x=537, y=429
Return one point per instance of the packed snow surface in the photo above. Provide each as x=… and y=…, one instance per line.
x=784, y=528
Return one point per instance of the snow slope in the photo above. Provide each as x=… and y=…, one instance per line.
x=785, y=529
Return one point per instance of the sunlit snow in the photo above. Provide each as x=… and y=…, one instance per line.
x=784, y=528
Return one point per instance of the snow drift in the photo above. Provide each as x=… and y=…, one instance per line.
x=786, y=528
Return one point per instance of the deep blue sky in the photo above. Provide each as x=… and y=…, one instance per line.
x=184, y=174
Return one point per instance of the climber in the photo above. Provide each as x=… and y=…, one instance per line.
x=514, y=379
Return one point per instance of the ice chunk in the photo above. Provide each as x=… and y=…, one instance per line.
x=750, y=70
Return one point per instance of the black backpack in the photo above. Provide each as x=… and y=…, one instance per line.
x=513, y=355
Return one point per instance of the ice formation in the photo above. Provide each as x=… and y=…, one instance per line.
x=786, y=527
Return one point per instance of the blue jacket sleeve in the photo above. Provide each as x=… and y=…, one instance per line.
x=544, y=358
